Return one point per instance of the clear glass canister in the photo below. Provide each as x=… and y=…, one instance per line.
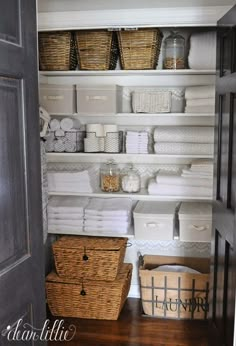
x=110, y=177
x=174, y=51
x=130, y=180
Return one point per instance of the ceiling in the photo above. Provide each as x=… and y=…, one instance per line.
x=81, y=5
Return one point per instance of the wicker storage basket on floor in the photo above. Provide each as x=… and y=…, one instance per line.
x=140, y=49
x=88, y=298
x=96, y=258
x=96, y=49
x=57, y=51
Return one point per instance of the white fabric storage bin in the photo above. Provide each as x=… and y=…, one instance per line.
x=57, y=99
x=154, y=220
x=195, y=222
x=98, y=99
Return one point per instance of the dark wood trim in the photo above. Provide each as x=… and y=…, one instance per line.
x=219, y=148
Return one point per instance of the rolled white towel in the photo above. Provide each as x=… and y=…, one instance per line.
x=200, y=92
x=60, y=133
x=200, y=109
x=202, y=53
x=174, y=148
x=59, y=145
x=171, y=178
x=184, y=134
x=68, y=124
x=54, y=124
x=200, y=102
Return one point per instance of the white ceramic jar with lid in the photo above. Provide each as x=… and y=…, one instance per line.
x=130, y=180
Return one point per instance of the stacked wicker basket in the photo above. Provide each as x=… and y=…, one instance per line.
x=99, y=49
x=91, y=280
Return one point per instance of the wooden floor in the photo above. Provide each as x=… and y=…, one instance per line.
x=133, y=329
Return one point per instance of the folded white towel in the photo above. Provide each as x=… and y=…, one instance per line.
x=113, y=218
x=183, y=148
x=67, y=216
x=75, y=223
x=200, y=102
x=170, y=178
x=200, y=109
x=202, y=53
x=67, y=204
x=202, y=163
x=65, y=228
x=184, y=134
x=109, y=206
x=180, y=191
x=190, y=173
x=112, y=232
x=107, y=224
x=200, y=92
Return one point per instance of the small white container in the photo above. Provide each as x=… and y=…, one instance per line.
x=57, y=99
x=154, y=220
x=98, y=99
x=195, y=222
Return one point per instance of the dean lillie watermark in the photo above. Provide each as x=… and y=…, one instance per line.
x=55, y=331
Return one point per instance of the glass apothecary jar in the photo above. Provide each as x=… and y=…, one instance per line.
x=174, y=52
x=130, y=180
x=110, y=177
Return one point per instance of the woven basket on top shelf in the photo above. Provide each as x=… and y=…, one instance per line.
x=96, y=49
x=140, y=49
x=88, y=298
x=97, y=258
x=57, y=51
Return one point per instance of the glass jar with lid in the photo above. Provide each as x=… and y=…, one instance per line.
x=174, y=51
x=130, y=180
x=110, y=177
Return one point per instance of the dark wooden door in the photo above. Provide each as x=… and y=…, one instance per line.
x=21, y=245
x=224, y=210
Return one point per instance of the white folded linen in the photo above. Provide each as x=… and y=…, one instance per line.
x=66, y=228
x=170, y=178
x=107, y=224
x=202, y=162
x=180, y=191
x=187, y=172
x=137, y=133
x=184, y=134
x=67, y=204
x=201, y=102
x=137, y=151
x=202, y=52
x=183, y=148
x=75, y=223
x=112, y=218
x=200, y=109
x=67, y=216
x=109, y=206
x=200, y=92
x=106, y=230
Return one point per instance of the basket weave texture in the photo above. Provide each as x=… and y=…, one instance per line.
x=57, y=51
x=140, y=49
x=93, y=258
x=96, y=49
x=88, y=298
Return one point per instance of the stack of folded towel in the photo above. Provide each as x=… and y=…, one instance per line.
x=66, y=213
x=184, y=140
x=200, y=99
x=195, y=181
x=137, y=142
x=202, y=53
x=71, y=181
x=108, y=215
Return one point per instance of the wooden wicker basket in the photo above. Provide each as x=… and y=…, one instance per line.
x=96, y=49
x=88, y=298
x=140, y=49
x=57, y=51
x=97, y=258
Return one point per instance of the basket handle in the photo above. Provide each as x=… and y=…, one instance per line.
x=85, y=257
x=82, y=292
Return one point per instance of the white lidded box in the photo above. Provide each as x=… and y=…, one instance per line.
x=58, y=99
x=195, y=222
x=98, y=99
x=154, y=220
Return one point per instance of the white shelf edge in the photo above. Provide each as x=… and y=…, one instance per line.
x=143, y=195
x=75, y=73
x=135, y=115
x=129, y=234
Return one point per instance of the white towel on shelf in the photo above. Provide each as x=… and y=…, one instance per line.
x=68, y=124
x=75, y=223
x=176, y=190
x=187, y=172
x=110, y=231
x=202, y=52
x=173, y=148
x=200, y=92
x=59, y=145
x=65, y=216
x=200, y=109
x=107, y=224
x=65, y=228
x=200, y=102
x=106, y=218
x=54, y=124
x=184, y=134
x=109, y=206
x=172, y=178
x=67, y=204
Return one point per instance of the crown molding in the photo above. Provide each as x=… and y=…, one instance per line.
x=114, y=19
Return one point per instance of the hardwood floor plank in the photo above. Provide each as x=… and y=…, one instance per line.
x=133, y=329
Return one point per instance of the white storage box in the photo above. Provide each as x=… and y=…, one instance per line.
x=154, y=220
x=99, y=99
x=57, y=99
x=195, y=222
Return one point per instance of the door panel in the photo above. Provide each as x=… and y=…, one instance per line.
x=21, y=235
x=223, y=267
